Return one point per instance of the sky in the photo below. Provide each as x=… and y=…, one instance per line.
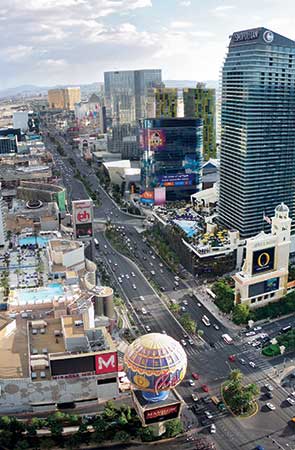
x=49, y=42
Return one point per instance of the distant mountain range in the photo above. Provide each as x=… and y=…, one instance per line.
x=28, y=90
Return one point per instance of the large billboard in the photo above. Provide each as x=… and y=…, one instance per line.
x=180, y=179
x=67, y=366
x=272, y=284
x=163, y=413
x=263, y=260
x=147, y=197
x=156, y=139
x=160, y=196
x=82, y=218
x=106, y=363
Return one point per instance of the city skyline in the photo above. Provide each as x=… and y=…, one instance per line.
x=71, y=42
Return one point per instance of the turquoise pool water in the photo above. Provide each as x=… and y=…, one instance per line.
x=31, y=240
x=39, y=295
x=190, y=227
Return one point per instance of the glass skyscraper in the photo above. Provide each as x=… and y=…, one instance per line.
x=126, y=93
x=257, y=157
x=172, y=156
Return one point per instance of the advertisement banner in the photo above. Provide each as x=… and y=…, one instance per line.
x=160, y=196
x=263, y=260
x=147, y=197
x=160, y=414
x=82, y=218
x=181, y=179
x=106, y=363
x=264, y=287
x=156, y=139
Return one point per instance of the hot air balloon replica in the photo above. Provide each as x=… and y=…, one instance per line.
x=155, y=364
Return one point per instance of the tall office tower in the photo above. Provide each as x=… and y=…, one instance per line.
x=2, y=222
x=257, y=157
x=166, y=102
x=172, y=156
x=199, y=102
x=126, y=93
x=64, y=98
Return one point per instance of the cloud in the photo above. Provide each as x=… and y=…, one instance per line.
x=185, y=3
x=222, y=10
x=181, y=24
x=18, y=53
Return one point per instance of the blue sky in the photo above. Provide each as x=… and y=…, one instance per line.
x=47, y=42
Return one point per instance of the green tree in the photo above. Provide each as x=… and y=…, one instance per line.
x=241, y=314
x=173, y=428
x=46, y=444
x=22, y=445
x=188, y=323
x=200, y=333
x=224, y=296
x=121, y=436
x=174, y=308
x=122, y=420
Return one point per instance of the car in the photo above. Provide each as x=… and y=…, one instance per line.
x=162, y=288
x=161, y=265
x=252, y=364
x=120, y=280
x=257, y=328
x=215, y=326
x=190, y=341
x=259, y=447
x=270, y=406
x=268, y=387
x=191, y=382
x=269, y=395
x=132, y=274
x=185, y=302
x=127, y=276
x=212, y=344
x=290, y=400
x=105, y=246
x=122, y=275
x=195, y=376
x=183, y=342
x=144, y=311
x=141, y=297
x=116, y=264
x=199, y=304
x=153, y=272
x=161, y=270
x=195, y=397
x=250, y=333
x=134, y=286
x=164, y=332
x=205, y=388
x=242, y=361
x=208, y=414
x=232, y=358
x=153, y=256
x=293, y=394
x=148, y=328
x=213, y=428
x=183, y=308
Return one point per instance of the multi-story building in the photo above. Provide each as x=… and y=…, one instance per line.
x=257, y=158
x=200, y=102
x=172, y=156
x=64, y=98
x=8, y=144
x=126, y=93
x=166, y=101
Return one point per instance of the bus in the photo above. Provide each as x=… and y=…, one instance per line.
x=96, y=243
x=285, y=329
x=227, y=338
x=209, y=292
x=206, y=321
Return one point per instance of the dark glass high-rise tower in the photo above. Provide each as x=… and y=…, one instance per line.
x=257, y=157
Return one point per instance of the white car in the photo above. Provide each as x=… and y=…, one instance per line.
x=141, y=297
x=208, y=414
x=271, y=406
x=252, y=364
x=199, y=305
x=144, y=311
x=191, y=382
x=257, y=328
x=134, y=286
x=190, y=341
x=215, y=326
x=120, y=280
x=268, y=386
x=195, y=397
x=250, y=333
x=164, y=332
x=148, y=328
x=127, y=276
x=132, y=274
x=213, y=428
x=183, y=342
x=185, y=302
x=290, y=400
x=183, y=308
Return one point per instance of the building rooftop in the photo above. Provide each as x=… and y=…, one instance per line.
x=14, y=349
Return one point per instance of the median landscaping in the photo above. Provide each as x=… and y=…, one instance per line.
x=281, y=344
x=239, y=398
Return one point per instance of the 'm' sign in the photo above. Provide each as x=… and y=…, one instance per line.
x=106, y=363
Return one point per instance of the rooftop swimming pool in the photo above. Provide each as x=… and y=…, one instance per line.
x=31, y=240
x=190, y=227
x=37, y=295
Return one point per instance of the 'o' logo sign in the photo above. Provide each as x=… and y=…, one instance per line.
x=263, y=259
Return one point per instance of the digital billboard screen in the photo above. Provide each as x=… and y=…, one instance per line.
x=164, y=413
x=180, y=179
x=264, y=287
x=156, y=139
x=263, y=260
x=72, y=365
x=84, y=230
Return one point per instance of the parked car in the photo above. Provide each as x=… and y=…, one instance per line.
x=205, y=388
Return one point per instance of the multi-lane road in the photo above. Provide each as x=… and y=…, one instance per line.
x=209, y=358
